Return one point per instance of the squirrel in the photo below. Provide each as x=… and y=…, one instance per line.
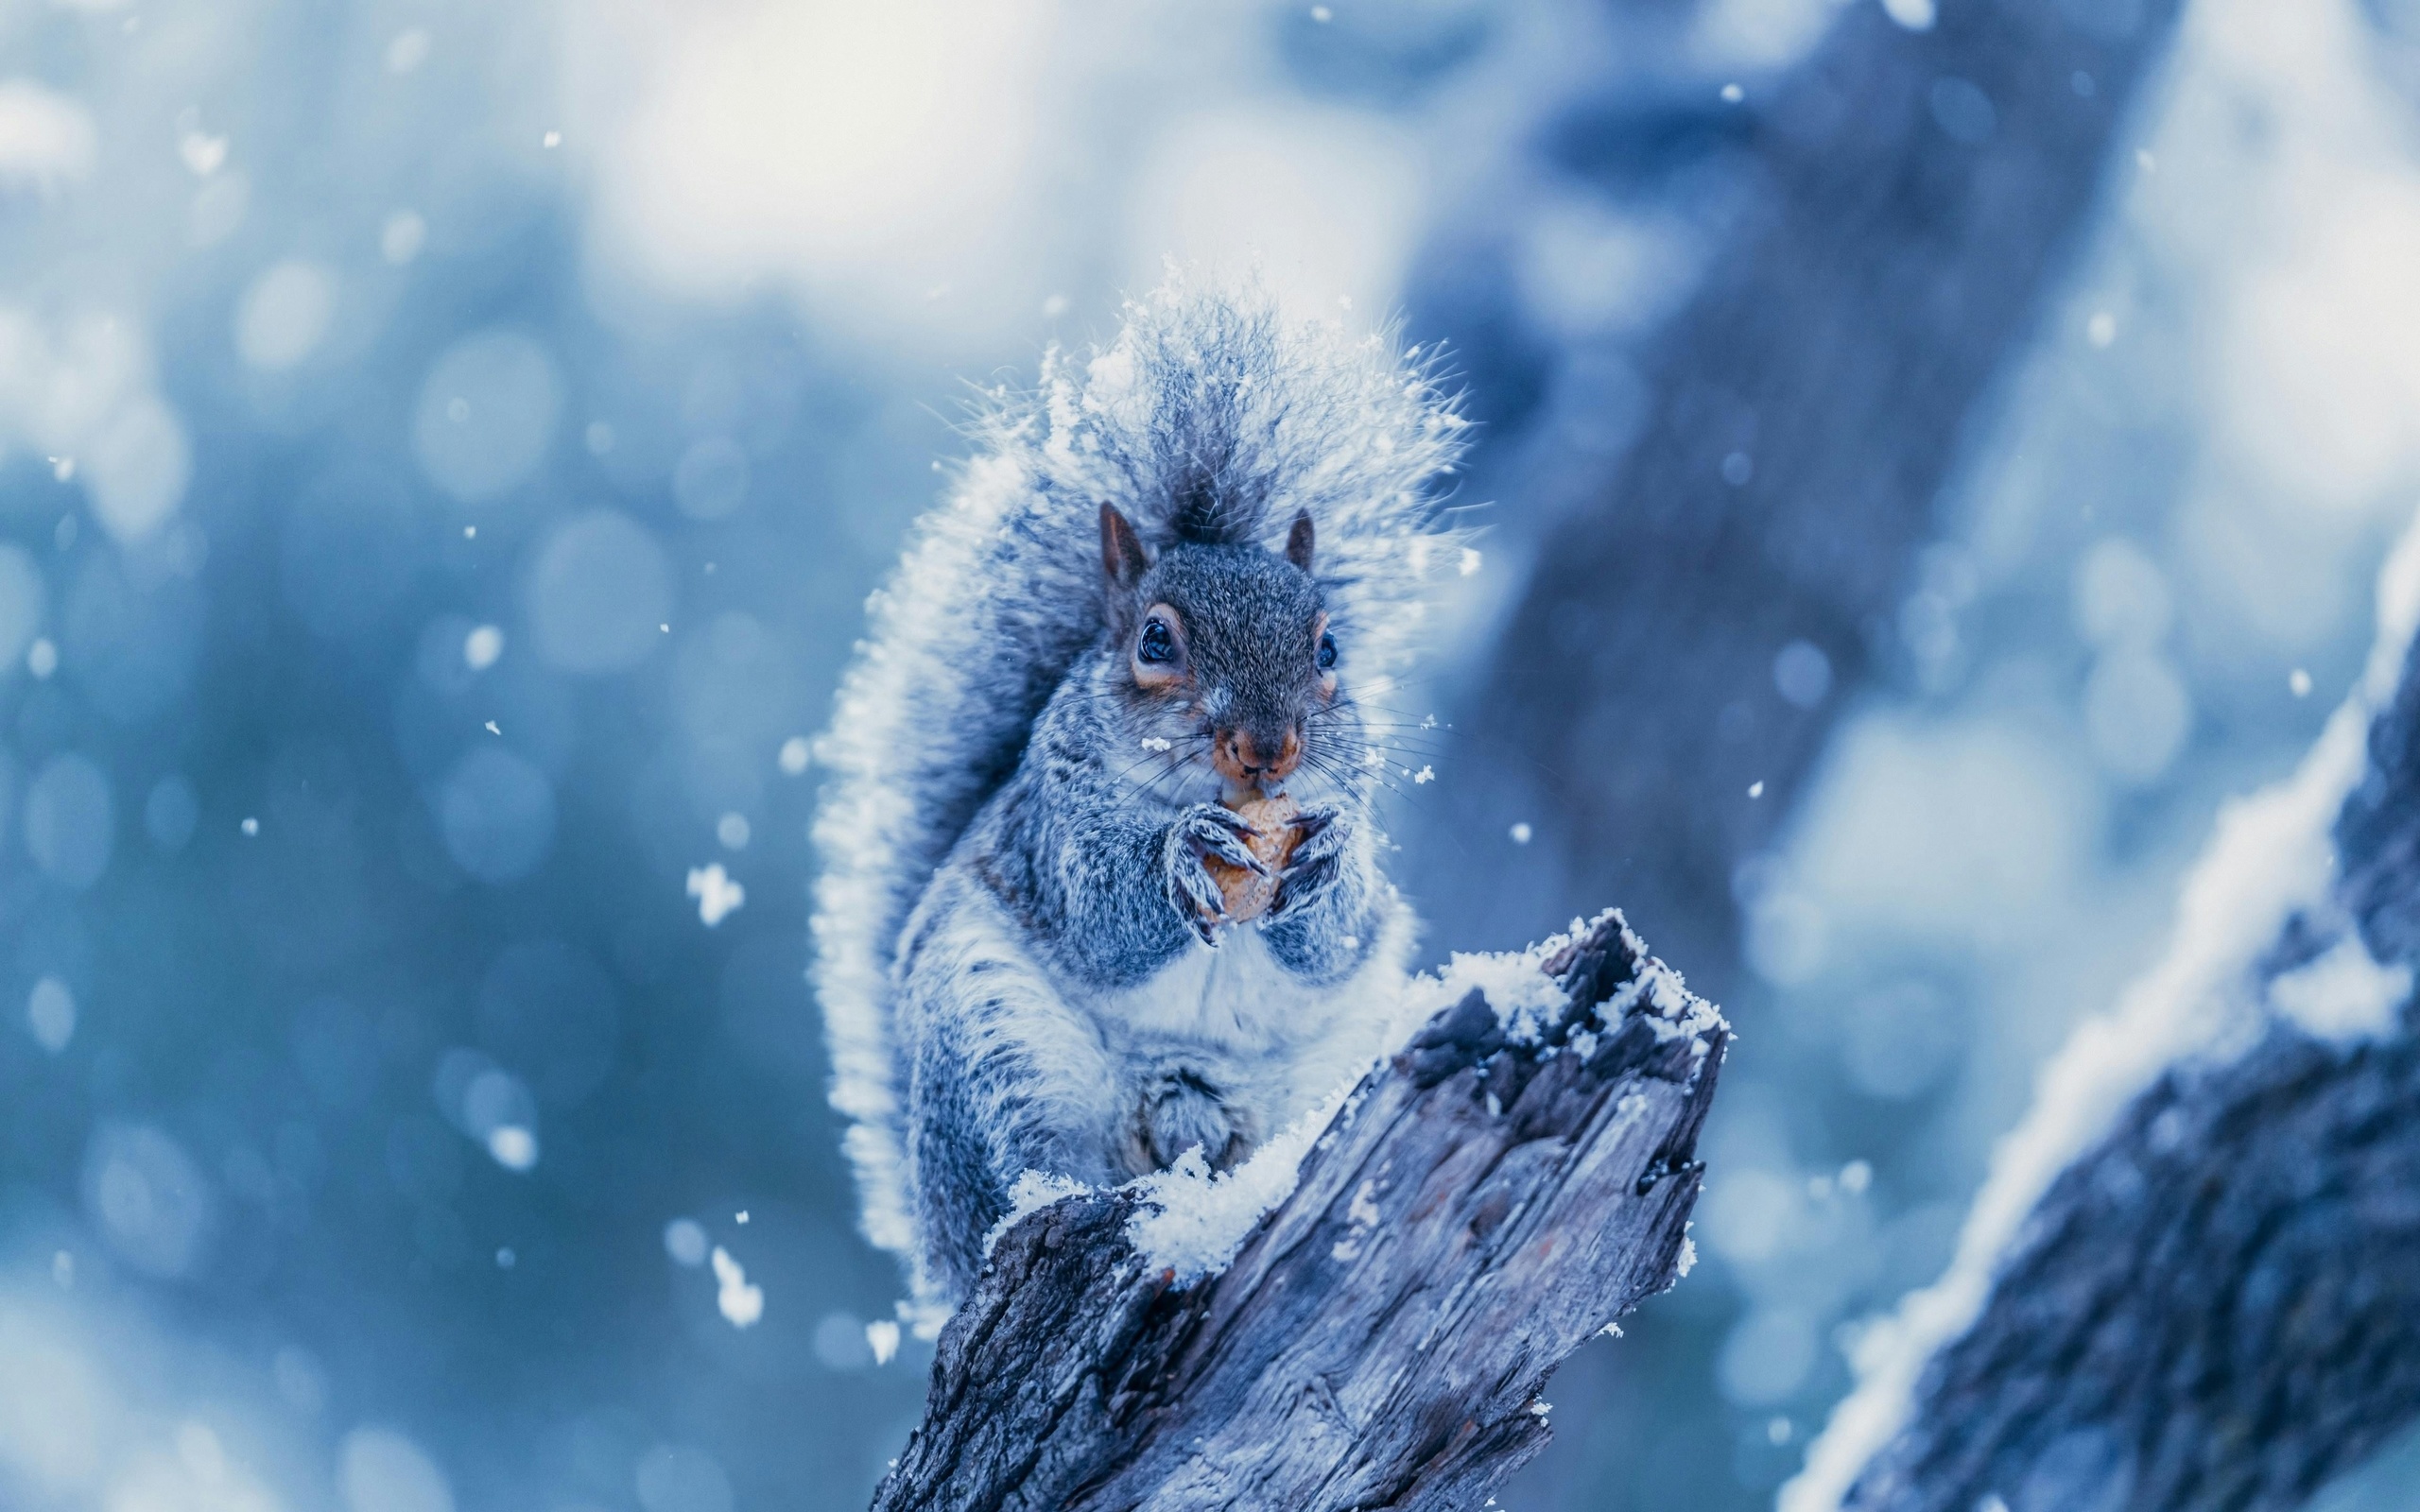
x=1157, y=595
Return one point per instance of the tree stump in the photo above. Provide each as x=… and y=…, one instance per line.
x=1478, y=1208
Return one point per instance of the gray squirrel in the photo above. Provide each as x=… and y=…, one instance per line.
x=1170, y=576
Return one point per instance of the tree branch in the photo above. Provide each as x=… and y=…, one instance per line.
x=2222, y=1309
x=1477, y=1210
x=2194, y=1278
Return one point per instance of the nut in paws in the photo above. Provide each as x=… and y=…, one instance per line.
x=1246, y=895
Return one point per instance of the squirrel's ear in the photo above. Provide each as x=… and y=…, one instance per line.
x=1121, y=550
x=1298, y=541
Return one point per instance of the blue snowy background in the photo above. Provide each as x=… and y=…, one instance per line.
x=443, y=450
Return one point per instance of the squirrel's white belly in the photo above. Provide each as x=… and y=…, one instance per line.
x=1235, y=1015
x=1235, y=998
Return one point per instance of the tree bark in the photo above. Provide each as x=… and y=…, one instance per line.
x=1912, y=200
x=2222, y=1310
x=2219, y=1304
x=1477, y=1210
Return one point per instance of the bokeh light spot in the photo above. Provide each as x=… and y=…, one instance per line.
x=711, y=480
x=400, y=238
x=1803, y=674
x=598, y=594
x=21, y=599
x=284, y=315
x=381, y=1470
x=138, y=470
x=487, y=413
x=70, y=822
x=50, y=1013
x=147, y=1198
x=497, y=814
x=685, y=1242
x=2139, y=715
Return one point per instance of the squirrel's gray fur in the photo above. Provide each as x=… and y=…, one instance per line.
x=1016, y=970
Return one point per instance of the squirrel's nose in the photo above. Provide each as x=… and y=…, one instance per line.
x=1241, y=756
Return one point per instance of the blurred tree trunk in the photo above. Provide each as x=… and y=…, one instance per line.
x=1916, y=197
x=2218, y=1306
x=1478, y=1211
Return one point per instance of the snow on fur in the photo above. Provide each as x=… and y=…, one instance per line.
x=2271, y=856
x=1209, y=418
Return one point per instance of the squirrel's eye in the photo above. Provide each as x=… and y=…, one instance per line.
x=1157, y=643
x=1327, y=651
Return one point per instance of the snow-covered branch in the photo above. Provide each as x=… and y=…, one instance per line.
x=1517, y=1177
x=2193, y=1277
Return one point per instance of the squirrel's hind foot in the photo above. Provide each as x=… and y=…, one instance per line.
x=1180, y=1110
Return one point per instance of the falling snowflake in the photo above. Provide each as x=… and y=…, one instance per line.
x=717, y=895
x=481, y=648
x=882, y=1336
x=515, y=1147
x=741, y=1303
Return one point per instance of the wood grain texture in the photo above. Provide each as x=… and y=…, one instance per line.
x=1474, y=1213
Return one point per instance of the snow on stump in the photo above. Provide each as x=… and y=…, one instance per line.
x=1512, y=1180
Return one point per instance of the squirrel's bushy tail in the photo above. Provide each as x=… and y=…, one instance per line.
x=1210, y=418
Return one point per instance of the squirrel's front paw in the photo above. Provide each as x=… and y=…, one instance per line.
x=1311, y=868
x=1203, y=832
